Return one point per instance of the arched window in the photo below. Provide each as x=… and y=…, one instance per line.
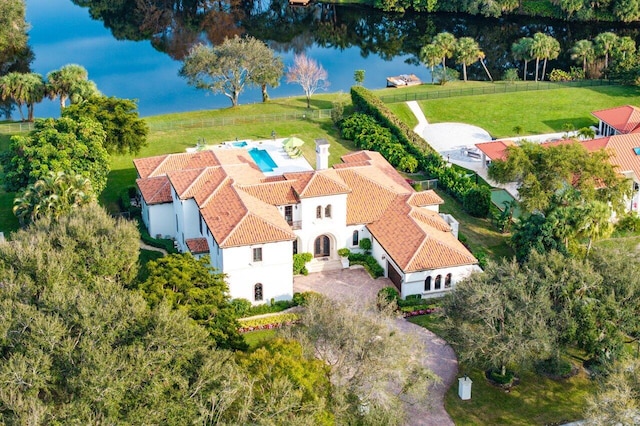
x=447, y=281
x=356, y=238
x=319, y=212
x=327, y=211
x=322, y=246
x=427, y=284
x=257, y=292
x=438, y=282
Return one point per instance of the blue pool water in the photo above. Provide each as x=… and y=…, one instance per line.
x=240, y=144
x=263, y=159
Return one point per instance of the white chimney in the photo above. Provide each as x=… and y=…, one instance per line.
x=322, y=154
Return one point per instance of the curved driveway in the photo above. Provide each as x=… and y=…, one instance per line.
x=357, y=287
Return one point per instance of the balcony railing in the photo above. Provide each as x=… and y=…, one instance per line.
x=295, y=224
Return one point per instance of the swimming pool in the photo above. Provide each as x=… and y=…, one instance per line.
x=263, y=159
x=241, y=144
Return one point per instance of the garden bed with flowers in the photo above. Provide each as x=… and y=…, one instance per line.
x=268, y=322
x=412, y=311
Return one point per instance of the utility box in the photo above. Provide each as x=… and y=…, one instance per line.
x=464, y=388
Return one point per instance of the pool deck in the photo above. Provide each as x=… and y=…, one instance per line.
x=285, y=164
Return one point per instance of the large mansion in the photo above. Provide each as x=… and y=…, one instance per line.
x=250, y=219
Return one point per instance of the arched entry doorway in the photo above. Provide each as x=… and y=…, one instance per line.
x=322, y=246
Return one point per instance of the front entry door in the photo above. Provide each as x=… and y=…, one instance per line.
x=322, y=246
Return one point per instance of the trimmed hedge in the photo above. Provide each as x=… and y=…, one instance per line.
x=453, y=181
x=154, y=242
x=369, y=262
x=299, y=263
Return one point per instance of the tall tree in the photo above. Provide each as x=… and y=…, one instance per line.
x=125, y=131
x=54, y=195
x=192, y=285
x=522, y=50
x=309, y=74
x=445, y=44
x=551, y=49
x=24, y=89
x=583, y=51
x=231, y=66
x=496, y=319
x=70, y=82
x=617, y=401
x=431, y=56
x=626, y=46
x=605, y=43
x=467, y=52
x=62, y=145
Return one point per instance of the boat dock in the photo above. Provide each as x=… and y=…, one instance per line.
x=403, y=80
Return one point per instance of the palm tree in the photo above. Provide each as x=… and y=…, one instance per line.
x=583, y=51
x=538, y=49
x=12, y=87
x=69, y=80
x=551, y=51
x=430, y=55
x=594, y=221
x=605, y=43
x=467, y=52
x=586, y=133
x=35, y=89
x=521, y=51
x=53, y=195
x=445, y=43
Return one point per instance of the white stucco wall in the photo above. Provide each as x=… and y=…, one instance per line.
x=311, y=227
x=159, y=219
x=363, y=232
x=414, y=282
x=274, y=272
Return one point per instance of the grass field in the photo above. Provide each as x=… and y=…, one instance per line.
x=536, y=400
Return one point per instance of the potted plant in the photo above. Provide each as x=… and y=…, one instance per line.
x=344, y=256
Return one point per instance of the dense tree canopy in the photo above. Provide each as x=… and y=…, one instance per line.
x=231, y=66
x=23, y=89
x=192, y=285
x=125, y=131
x=63, y=145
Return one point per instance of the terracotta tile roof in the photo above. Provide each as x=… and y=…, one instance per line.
x=495, y=150
x=368, y=200
x=155, y=190
x=425, y=198
x=621, y=148
x=223, y=211
x=183, y=179
x=625, y=119
x=156, y=166
x=356, y=157
x=317, y=184
x=278, y=193
x=205, y=184
x=417, y=239
x=243, y=173
x=197, y=245
x=352, y=164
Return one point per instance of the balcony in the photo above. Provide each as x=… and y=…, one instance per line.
x=295, y=224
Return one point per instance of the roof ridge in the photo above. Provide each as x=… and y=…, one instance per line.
x=188, y=188
x=263, y=218
x=235, y=228
x=385, y=187
x=166, y=158
x=218, y=188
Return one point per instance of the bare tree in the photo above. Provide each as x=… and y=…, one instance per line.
x=618, y=400
x=309, y=74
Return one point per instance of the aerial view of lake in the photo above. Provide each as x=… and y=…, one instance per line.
x=136, y=54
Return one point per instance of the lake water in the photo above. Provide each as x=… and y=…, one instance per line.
x=63, y=33
x=341, y=38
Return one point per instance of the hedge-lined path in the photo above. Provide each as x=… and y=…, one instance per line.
x=355, y=286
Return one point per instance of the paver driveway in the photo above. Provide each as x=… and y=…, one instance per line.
x=357, y=287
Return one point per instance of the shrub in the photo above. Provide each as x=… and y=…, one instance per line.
x=300, y=299
x=344, y=252
x=511, y=75
x=555, y=367
x=337, y=112
x=274, y=306
x=629, y=223
x=299, y=262
x=477, y=201
x=389, y=294
x=560, y=75
x=240, y=307
x=273, y=321
x=496, y=377
x=365, y=244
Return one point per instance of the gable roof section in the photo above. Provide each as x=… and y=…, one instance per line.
x=160, y=165
x=495, y=150
x=317, y=184
x=197, y=245
x=367, y=200
x=625, y=119
x=277, y=193
x=155, y=190
x=425, y=198
x=418, y=239
x=621, y=148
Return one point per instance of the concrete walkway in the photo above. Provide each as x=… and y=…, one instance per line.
x=354, y=285
x=145, y=246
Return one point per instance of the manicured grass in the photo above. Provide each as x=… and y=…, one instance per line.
x=258, y=337
x=535, y=400
x=480, y=233
x=544, y=111
x=629, y=244
x=402, y=110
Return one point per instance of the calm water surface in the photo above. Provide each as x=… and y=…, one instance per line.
x=63, y=33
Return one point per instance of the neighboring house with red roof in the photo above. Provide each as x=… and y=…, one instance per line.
x=621, y=120
x=218, y=202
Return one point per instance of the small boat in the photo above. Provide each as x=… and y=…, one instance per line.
x=403, y=80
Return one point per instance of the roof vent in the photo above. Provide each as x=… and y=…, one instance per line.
x=636, y=150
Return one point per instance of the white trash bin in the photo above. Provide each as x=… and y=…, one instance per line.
x=464, y=388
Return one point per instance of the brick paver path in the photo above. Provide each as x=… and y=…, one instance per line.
x=357, y=287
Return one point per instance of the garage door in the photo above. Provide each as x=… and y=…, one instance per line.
x=394, y=276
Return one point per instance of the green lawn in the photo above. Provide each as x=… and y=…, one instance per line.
x=256, y=338
x=535, y=400
x=631, y=243
x=544, y=111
